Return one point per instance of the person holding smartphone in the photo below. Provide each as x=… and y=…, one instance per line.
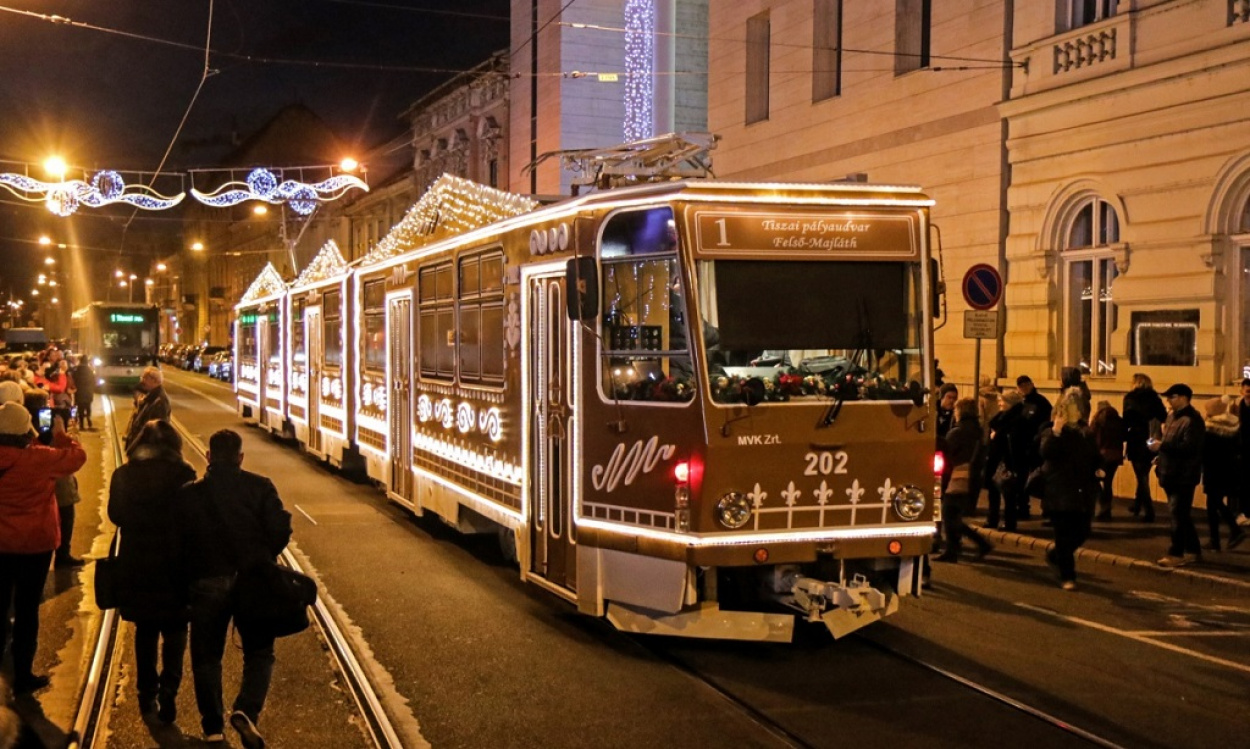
x=30, y=528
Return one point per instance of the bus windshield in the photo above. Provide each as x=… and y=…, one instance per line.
x=811, y=329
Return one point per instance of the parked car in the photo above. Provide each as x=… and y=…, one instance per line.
x=225, y=366
x=199, y=361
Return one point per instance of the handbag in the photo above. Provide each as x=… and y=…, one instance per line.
x=272, y=600
x=1003, y=476
x=108, y=583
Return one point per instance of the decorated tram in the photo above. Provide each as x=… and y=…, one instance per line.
x=695, y=408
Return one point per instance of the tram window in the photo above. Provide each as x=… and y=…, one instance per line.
x=331, y=327
x=247, y=339
x=481, y=318
x=297, y=330
x=644, y=335
x=436, y=321
x=867, y=344
x=273, y=341
x=374, y=294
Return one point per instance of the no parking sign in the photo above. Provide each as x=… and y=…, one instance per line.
x=983, y=287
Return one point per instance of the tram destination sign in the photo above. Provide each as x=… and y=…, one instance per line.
x=808, y=233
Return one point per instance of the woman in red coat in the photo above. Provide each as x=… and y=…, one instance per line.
x=30, y=528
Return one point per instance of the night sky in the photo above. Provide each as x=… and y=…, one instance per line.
x=105, y=100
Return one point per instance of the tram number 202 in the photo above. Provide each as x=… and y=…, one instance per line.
x=824, y=463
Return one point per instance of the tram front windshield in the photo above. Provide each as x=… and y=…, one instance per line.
x=127, y=337
x=811, y=329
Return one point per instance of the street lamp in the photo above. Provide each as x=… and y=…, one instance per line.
x=197, y=246
x=55, y=166
x=45, y=240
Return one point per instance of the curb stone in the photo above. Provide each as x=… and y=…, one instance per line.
x=1034, y=543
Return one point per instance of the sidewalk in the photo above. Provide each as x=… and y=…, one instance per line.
x=1126, y=541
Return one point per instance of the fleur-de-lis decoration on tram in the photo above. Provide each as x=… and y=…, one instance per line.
x=886, y=490
x=791, y=495
x=855, y=492
x=823, y=493
x=757, y=497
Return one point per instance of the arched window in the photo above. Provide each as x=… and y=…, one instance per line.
x=1245, y=217
x=1089, y=310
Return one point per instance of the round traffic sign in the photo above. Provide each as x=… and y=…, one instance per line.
x=983, y=287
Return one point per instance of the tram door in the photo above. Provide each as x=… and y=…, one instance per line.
x=312, y=334
x=552, y=433
x=399, y=406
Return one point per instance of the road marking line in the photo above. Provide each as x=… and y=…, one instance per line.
x=305, y=514
x=1132, y=636
x=1148, y=633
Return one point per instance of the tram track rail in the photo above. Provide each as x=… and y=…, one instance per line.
x=790, y=738
x=93, y=702
x=995, y=695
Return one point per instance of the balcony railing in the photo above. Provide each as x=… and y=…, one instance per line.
x=1085, y=50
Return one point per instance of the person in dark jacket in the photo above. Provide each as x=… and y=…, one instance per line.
x=1143, y=414
x=1179, y=468
x=154, y=405
x=228, y=521
x=1037, y=412
x=1108, y=429
x=963, y=443
x=1220, y=448
x=142, y=496
x=1011, y=440
x=84, y=391
x=1070, y=468
x=947, y=395
x=1242, y=410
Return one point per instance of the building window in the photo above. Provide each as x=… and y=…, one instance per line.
x=481, y=318
x=1245, y=306
x=1245, y=218
x=912, y=22
x=758, y=30
x=1089, y=274
x=826, y=49
x=436, y=306
x=374, y=298
x=332, y=327
x=1080, y=13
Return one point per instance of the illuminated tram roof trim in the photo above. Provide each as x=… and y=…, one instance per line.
x=268, y=283
x=328, y=264
x=452, y=206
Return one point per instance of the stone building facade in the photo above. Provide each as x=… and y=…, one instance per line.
x=1095, y=151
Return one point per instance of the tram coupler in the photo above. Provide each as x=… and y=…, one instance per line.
x=842, y=607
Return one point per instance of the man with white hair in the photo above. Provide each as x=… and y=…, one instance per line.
x=153, y=406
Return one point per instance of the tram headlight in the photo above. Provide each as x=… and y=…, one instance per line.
x=95, y=362
x=733, y=510
x=909, y=502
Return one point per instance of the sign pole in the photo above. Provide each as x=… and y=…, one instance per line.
x=976, y=378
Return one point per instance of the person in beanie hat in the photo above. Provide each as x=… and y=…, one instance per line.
x=30, y=528
x=1179, y=468
x=1219, y=471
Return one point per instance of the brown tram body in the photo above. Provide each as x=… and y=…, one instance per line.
x=677, y=478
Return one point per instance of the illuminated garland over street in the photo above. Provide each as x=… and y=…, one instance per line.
x=107, y=187
x=261, y=184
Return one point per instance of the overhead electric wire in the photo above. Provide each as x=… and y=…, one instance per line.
x=428, y=11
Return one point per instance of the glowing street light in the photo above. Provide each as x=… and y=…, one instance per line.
x=34, y=292
x=197, y=246
x=52, y=282
x=49, y=261
x=148, y=282
x=161, y=267
x=122, y=284
x=349, y=164
x=260, y=209
x=45, y=240
x=55, y=166
x=55, y=300
x=118, y=273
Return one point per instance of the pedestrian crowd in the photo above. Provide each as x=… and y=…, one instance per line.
x=1017, y=447
x=179, y=546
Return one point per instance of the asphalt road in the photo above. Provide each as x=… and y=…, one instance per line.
x=465, y=655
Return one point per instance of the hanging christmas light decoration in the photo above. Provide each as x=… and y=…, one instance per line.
x=106, y=187
x=262, y=184
x=639, y=69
